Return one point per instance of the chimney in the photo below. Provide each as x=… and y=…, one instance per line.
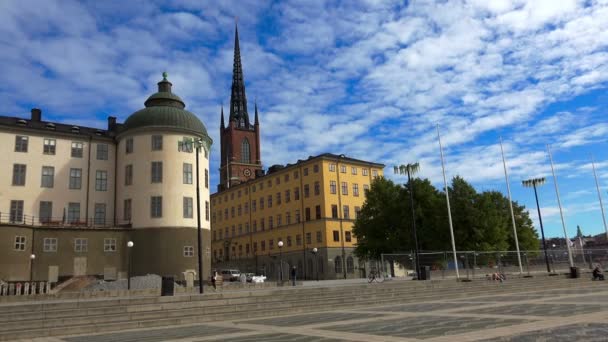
x=36, y=114
x=111, y=123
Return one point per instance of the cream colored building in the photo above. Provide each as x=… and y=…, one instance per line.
x=72, y=196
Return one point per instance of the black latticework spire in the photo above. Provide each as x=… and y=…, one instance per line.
x=238, y=100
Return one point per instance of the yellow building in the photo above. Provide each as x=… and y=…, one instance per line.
x=310, y=204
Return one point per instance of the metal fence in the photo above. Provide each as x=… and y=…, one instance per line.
x=476, y=264
x=18, y=219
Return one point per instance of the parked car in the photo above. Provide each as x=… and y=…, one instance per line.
x=231, y=275
x=249, y=277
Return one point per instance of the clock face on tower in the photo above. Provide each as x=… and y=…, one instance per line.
x=247, y=172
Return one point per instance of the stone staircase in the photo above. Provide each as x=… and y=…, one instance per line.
x=61, y=317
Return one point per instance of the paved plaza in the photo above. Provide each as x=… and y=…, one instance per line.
x=574, y=314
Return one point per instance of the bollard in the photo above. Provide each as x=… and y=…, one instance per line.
x=18, y=289
x=3, y=289
x=26, y=288
x=47, y=288
x=41, y=287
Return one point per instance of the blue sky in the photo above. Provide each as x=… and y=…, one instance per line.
x=369, y=79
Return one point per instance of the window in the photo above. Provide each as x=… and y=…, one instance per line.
x=49, y=146
x=334, y=211
x=269, y=183
x=278, y=198
x=350, y=265
x=296, y=194
x=188, y=251
x=298, y=216
x=347, y=236
x=101, y=180
x=364, y=172
x=315, y=168
x=246, y=208
x=346, y=212
x=263, y=245
x=357, y=211
x=332, y=187
x=317, y=189
x=100, y=213
x=187, y=207
x=48, y=177
x=261, y=203
x=271, y=244
x=129, y=174
x=277, y=181
x=319, y=236
x=19, y=174
x=353, y=170
x=246, y=227
x=73, y=212
x=45, y=212
x=127, y=210
x=336, y=236
x=279, y=220
x=186, y=145
x=156, y=206
x=102, y=151
x=270, y=222
x=21, y=143
x=269, y=201
x=318, y=212
x=355, y=190
x=129, y=146
x=344, y=188
x=187, y=169
x=338, y=264
x=81, y=245
x=206, y=210
x=77, y=148
x=287, y=196
x=305, y=171
x=306, y=191
x=374, y=173
x=342, y=168
x=16, y=213
x=255, y=226
x=157, y=172
x=75, y=178
x=286, y=177
x=19, y=243
x=296, y=175
x=307, y=214
x=206, y=179
x=49, y=245
x=332, y=167
x=308, y=238
x=232, y=212
x=288, y=218
x=157, y=143
x=289, y=241
x=109, y=245
x=253, y=206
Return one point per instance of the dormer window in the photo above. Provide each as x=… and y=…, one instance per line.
x=50, y=126
x=21, y=122
x=75, y=129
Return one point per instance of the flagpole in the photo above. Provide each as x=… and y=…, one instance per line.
x=447, y=197
x=561, y=213
x=599, y=195
x=504, y=164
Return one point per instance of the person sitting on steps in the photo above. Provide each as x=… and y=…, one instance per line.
x=597, y=273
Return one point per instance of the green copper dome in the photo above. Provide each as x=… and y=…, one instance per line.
x=165, y=110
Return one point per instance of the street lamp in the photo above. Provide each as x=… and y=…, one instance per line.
x=534, y=182
x=280, y=244
x=32, y=257
x=198, y=144
x=411, y=169
x=314, y=252
x=129, y=246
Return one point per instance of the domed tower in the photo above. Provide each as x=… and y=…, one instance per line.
x=156, y=184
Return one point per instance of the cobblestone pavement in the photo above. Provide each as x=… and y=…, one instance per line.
x=534, y=315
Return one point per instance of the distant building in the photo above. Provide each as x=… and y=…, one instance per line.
x=310, y=204
x=73, y=196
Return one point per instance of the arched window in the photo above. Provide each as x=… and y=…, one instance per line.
x=242, y=123
x=338, y=264
x=245, y=151
x=350, y=265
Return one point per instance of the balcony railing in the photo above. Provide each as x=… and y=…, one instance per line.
x=59, y=222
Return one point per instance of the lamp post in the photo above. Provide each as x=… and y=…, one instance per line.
x=411, y=169
x=314, y=252
x=198, y=144
x=32, y=257
x=129, y=246
x=280, y=244
x=534, y=182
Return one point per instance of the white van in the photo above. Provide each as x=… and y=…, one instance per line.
x=231, y=275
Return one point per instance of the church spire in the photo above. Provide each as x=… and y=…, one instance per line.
x=222, y=119
x=238, y=100
x=257, y=121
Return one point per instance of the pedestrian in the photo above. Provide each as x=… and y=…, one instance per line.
x=213, y=279
x=597, y=273
x=293, y=276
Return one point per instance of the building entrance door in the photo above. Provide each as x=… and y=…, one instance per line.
x=80, y=266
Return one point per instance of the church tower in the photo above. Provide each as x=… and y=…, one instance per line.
x=239, y=139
